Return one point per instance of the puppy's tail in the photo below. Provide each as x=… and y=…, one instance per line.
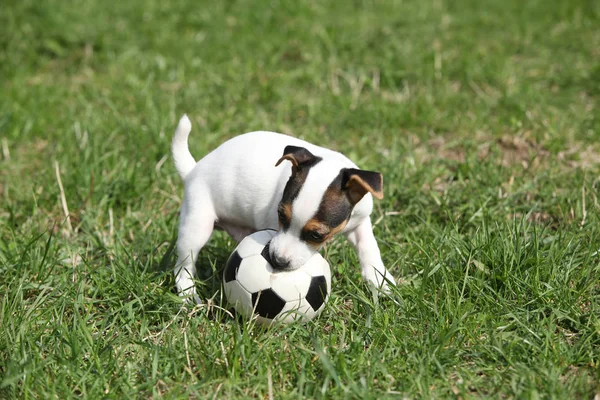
x=184, y=161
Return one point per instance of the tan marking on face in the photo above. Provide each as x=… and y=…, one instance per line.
x=316, y=225
x=286, y=210
x=338, y=229
x=328, y=232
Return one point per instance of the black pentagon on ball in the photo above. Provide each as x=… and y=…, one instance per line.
x=267, y=303
x=317, y=292
x=232, y=266
x=266, y=253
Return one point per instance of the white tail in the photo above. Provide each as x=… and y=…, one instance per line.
x=184, y=161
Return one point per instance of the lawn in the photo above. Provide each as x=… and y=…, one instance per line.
x=481, y=115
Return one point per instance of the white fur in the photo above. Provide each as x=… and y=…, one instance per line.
x=238, y=188
x=184, y=161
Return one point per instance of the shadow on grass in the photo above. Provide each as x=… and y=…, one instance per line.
x=209, y=268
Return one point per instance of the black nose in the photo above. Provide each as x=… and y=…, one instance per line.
x=279, y=263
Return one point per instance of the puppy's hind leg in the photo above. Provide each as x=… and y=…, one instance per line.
x=195, y=228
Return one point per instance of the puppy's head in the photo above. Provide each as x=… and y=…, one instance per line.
x=317, y=203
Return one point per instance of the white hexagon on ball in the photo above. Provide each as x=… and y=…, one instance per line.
x=238, y=296
x=254, y=244
x=257, y=290
x=254, y=273
x=290, y=285
x=300, y=311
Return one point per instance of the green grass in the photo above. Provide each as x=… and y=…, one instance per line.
x=482, y=116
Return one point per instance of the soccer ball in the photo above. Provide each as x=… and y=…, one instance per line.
x=255, y=288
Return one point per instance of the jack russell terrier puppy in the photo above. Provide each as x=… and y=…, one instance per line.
x=266, y=180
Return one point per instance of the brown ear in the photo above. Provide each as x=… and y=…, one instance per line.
x=357, y=183
x=297, y=156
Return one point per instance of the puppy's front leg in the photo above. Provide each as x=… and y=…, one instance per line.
x=372, y=267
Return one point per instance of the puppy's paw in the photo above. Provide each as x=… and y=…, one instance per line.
x=380, y=278
x=190, y=297
x=186, y=288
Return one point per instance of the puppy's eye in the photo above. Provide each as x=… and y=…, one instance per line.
x=315, y=236
x=281, y=215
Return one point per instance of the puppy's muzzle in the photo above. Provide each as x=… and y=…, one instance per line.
x=279, y=263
